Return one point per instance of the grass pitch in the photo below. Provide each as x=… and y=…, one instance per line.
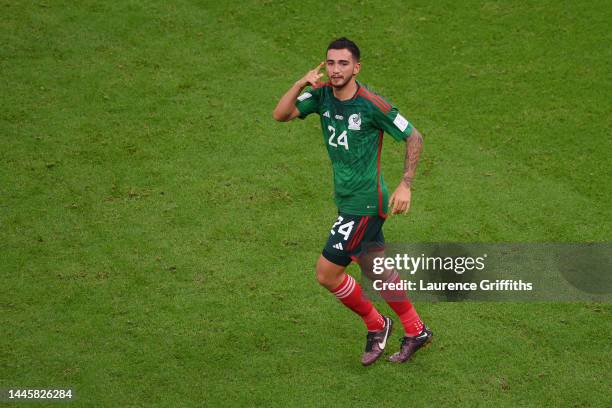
x=159, y=229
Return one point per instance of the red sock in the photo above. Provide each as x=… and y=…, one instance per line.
x=398, y=301
x=349, y=293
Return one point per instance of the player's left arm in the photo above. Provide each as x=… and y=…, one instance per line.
x=399, y=203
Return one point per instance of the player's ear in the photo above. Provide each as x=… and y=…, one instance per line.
x=356, y=68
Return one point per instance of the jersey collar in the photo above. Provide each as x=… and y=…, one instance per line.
x=352, y=98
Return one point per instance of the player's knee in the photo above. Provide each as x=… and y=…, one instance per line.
x=322, y=277
x=328, y=277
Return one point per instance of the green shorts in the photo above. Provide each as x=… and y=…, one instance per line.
x=351, y=235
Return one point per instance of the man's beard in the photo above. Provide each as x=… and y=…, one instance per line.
x=342, y=85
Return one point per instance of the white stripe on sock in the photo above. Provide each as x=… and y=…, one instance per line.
x=346, y=287
x=348, y=293
x=393, y=277
x=347, y=290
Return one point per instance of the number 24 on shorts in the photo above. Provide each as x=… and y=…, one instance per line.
x=344, y=229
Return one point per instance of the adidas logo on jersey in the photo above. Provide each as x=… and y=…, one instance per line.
x=326, y=114
x=339, y=246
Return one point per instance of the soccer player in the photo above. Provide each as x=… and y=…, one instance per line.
x=353, y=120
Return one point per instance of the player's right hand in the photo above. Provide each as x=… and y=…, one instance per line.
x=312, y=77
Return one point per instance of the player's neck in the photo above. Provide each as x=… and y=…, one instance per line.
x=347, y=91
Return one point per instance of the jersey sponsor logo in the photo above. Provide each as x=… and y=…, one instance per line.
x=354, y=121
x=339, y=117
x=400, y=122
x=304, y=96
x=339, y=246
x=326, y=114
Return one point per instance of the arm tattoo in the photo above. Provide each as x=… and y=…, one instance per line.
x=414, y=145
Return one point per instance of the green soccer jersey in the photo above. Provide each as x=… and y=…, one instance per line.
x=353, y=133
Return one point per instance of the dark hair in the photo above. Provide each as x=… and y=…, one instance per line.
x=344, y=43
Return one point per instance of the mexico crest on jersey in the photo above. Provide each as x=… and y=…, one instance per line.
x=354, y=121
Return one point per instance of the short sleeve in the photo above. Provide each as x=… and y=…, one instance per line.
x=394, y=123
x=308, y=102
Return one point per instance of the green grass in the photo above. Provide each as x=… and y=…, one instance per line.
x=159, y=229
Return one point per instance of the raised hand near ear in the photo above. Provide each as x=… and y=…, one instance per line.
x=312, y=77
